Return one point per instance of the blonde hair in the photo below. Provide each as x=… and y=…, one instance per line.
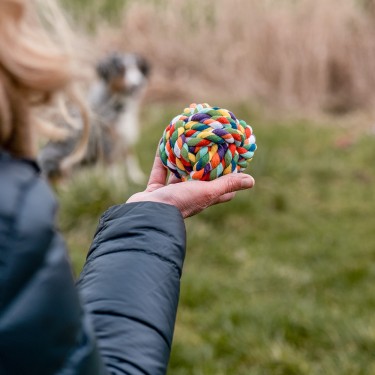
x=36, y=62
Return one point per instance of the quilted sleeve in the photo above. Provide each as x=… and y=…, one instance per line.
x=130, y=285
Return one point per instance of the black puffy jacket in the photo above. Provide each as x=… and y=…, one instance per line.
x=120, y=317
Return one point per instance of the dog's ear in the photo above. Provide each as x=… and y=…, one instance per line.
x=144, y=66
x=110, y=66
x=103, y=70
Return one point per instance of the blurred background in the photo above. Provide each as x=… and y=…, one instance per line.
x=280, y=280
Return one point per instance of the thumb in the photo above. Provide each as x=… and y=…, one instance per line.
x=231, y=183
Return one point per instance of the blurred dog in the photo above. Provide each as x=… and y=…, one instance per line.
x=114, y=101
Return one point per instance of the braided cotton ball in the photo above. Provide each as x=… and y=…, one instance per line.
x=204, y=143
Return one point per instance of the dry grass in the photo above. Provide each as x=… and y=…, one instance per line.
x=309, y=54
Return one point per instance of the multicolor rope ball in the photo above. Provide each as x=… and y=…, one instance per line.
x=204, y=143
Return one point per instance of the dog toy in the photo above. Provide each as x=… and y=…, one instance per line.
x=204, y=143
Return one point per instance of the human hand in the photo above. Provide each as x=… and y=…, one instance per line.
x=190, y=197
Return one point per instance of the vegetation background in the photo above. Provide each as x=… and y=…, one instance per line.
x=279, y=281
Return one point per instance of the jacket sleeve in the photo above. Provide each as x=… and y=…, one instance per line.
x=130, y=285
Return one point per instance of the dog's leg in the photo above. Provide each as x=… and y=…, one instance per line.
x=128, y=130
x=133, y=169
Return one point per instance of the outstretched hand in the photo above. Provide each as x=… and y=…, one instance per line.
x=190, y=197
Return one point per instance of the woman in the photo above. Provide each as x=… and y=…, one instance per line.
x=120, y=317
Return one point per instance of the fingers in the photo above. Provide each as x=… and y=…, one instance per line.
x=158, y=173
x=231, y=183
x=225, y=198
x=201, y=194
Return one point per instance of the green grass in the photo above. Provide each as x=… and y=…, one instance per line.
x=91, y=13
x=279, y=281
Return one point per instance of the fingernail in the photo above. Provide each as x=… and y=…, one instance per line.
x=247, y=182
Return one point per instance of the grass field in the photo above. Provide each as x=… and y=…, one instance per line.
x=279, y=281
